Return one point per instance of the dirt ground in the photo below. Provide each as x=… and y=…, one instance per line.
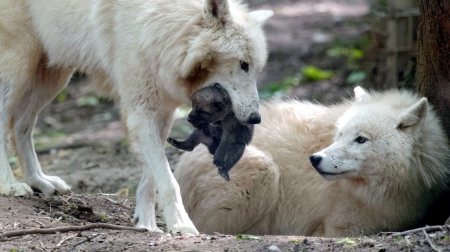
x=80, y=139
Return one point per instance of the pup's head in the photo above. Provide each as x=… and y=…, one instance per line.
x=230, y=50
x=209, y=104
x=377, y=137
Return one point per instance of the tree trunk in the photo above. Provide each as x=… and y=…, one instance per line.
x=433, y=76
x=433, y=59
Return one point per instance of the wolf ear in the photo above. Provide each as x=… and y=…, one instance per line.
x=216, y=10
x=261, y=16
x=360, y=94
x=414, y=115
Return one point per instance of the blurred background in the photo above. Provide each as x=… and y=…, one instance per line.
x=319, y=51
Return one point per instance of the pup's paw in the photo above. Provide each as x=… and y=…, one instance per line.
x=49, y=184
x=223, y=166
x=224, y=174
x=17, y=189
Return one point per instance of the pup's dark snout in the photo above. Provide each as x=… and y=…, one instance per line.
x=254, y=118
x=315, y=160
x=189, y=119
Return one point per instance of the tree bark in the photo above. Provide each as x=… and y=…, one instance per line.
x=433, y=77
x=433, y=59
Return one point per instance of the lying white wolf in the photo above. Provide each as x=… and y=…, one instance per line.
x=151, y=54
x=379, y=161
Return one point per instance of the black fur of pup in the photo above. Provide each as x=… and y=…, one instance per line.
x=216, y=127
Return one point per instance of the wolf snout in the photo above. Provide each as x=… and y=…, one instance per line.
x=315, y=160
x=254, y=118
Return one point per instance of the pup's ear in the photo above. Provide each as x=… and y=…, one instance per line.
x=261, y=16
x=216, y=10
x=360, y=94
x=414, y=116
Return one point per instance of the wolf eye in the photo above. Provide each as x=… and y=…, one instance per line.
x=244, y=66
x=361, y=140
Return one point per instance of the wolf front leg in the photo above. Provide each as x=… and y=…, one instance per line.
x=148, y=130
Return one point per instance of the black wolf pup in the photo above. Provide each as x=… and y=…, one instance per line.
x=217, y=127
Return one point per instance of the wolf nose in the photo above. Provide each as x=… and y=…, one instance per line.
x=254, y=118
x=315, y=160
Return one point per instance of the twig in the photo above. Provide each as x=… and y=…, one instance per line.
x=67, y=229
x=43, y=247
x=430, y=242
x=87, y=240
x=116, y=203
x=38, y=222
x=426, y=229
x=65, y=239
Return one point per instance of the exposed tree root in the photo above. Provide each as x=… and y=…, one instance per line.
x=22, y=232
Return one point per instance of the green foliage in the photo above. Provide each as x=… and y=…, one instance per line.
x=62, y=97
x=54, y=133
x=356, y=77
x=88, y=101
x=316, y=74
x=107, y=116
x=103, y=218
x=351, y=49
x=310, y=73
x=280, y=87
x=347, y=241
x=379, y=6
x=351, y=53
x=357, y=43
x=248, y=237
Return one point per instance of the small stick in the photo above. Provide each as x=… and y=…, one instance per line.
x=427, y=229
x=38, y=222
x=65, y=239
x=430, y=242
x=67, y=229
x=87, y=240
x=43, y=247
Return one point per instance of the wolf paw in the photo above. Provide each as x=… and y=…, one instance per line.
x=178, y=220
x=147, y=224
x=17, y=189
x=49, y=184
x=184, y=228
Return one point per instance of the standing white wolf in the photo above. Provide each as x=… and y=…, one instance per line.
x=151, y=54
x=378, y=163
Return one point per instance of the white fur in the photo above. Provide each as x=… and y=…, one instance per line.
x=151, y=54
x=383, y=184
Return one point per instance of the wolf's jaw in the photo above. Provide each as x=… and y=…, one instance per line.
x=333, y=176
